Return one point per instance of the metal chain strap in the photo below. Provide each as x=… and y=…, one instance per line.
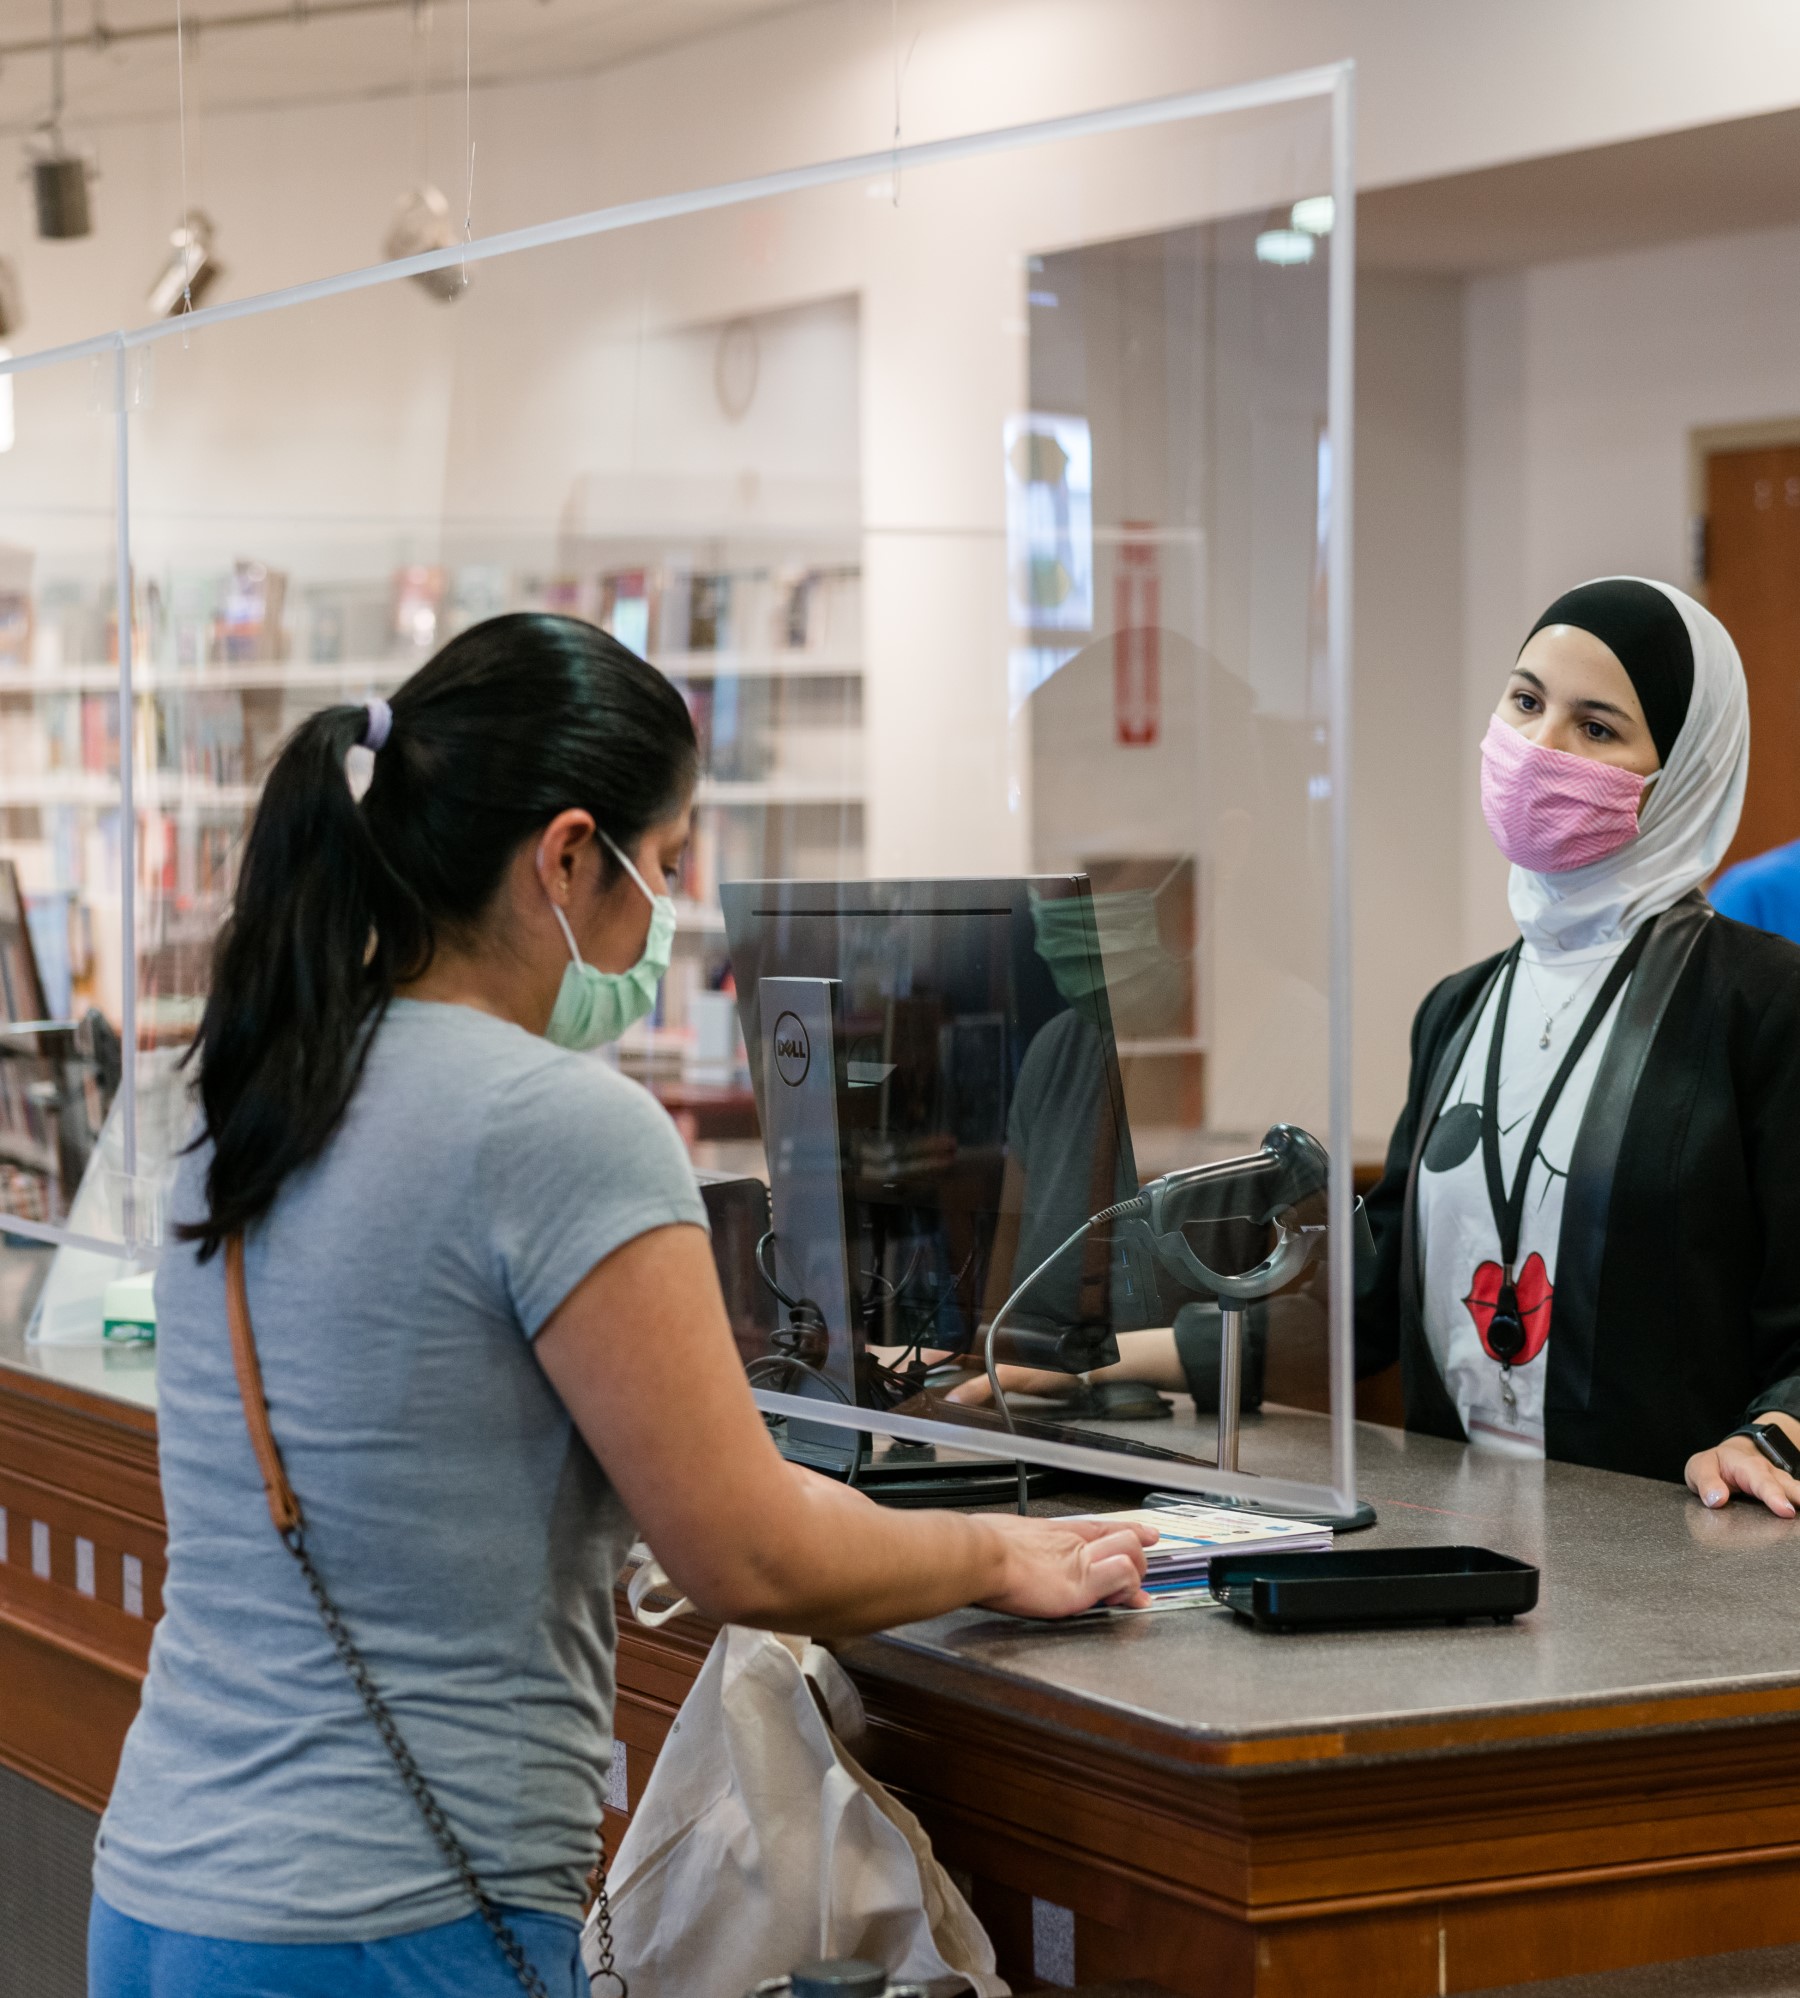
x=419, y=1790
x=603, y=1932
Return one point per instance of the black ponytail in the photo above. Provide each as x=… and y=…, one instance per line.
x=337, y=902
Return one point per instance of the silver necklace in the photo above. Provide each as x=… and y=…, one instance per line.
x=1551, y=1017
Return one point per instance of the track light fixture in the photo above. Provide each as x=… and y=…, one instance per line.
x=59, y=178
x=421, y=223
x=12, y=300
x=191, y=267
x=59, y=189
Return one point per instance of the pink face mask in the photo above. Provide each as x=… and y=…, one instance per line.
x=1550, y=812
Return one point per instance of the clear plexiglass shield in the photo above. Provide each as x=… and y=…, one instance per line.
x=988, y=502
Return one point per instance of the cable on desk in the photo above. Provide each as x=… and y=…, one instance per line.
x=1135, y=1205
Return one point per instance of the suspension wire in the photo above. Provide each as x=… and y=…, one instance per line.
x=187, y=225
x=421, y=91
x=469, y=128
x=56, y=73
x=900, y=69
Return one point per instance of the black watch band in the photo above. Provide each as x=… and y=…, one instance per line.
x=1775, y=1444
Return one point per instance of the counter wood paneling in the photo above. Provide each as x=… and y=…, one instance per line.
x=81, y=1581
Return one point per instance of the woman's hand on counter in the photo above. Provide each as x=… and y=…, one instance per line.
x=1737, y=1465
x=1058, y=1567
x=641, y=1355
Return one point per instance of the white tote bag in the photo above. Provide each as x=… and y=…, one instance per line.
x=759, y=1844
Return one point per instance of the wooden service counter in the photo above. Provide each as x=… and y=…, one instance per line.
x=82, y=1540
x=1613, y=1780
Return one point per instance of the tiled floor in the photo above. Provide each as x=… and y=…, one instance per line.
x=46, y=1850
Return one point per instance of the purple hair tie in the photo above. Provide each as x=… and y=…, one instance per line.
x=379, y=726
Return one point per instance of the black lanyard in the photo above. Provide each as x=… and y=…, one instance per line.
x=1506, y=1330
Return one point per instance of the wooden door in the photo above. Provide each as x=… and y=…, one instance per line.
x=1753, y=586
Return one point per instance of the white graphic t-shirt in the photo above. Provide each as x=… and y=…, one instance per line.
x=1460, y=1240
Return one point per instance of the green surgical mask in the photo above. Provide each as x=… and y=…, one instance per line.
x=595, y=1006
x=1106, y=942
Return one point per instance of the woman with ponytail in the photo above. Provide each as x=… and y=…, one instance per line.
x=464, y=1271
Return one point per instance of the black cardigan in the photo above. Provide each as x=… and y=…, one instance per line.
x=1677, y=1307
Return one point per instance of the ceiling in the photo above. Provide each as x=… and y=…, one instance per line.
x=1710, y=180
x=316, y=49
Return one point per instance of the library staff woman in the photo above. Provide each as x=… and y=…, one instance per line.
x=490, y=1340
x=1589, y=1225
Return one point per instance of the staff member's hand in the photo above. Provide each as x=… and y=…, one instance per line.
x=1737, y=1465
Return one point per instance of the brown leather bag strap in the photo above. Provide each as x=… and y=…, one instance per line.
x=284, y=1507
x=284, y=1510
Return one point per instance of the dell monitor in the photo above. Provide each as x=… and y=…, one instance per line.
x=939, y=1092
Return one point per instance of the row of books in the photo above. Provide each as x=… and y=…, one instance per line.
x=249, y=614
x=679, y=609
x=202, y=735
x=187, y=865
x=763, y=842
x=751, y=729
x=75, y=732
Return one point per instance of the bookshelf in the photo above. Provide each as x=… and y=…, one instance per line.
x=761, y=633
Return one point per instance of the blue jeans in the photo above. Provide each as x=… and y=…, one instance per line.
x=128, y=1959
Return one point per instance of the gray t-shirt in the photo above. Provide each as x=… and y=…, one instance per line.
x=468, y=1534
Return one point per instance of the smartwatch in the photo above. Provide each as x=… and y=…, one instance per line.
x=1775, y=1444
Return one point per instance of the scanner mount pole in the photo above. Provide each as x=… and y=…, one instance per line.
x=1231, y=1381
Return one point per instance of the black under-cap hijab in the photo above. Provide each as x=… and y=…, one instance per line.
x=1647, y=635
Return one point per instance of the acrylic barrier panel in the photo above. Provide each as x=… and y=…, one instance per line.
x=980, y=510
x=64, y=970
x=1176, y=744
x=1095, y=944
x=456, y=475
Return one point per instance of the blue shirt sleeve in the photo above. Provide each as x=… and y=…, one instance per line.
x=1764, y=892
x=1734, y=895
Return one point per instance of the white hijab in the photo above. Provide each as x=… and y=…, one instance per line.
x=1690, y=811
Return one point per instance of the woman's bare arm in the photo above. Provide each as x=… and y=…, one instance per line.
x=642, y=1355
x=1143, y=1356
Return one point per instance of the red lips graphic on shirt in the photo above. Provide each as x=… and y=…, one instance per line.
x=1535, y=1292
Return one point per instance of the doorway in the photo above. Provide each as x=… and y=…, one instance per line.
x=1752, y=567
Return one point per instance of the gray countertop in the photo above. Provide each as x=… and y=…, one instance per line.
x=1647, y=1601
x=1646, y=1598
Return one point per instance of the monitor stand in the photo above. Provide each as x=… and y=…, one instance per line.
x=914, y=1475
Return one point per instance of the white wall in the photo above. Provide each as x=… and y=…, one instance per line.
x=1585, y=380
x=1412, y=762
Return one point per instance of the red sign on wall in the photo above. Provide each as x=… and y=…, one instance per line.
x=1137, y=635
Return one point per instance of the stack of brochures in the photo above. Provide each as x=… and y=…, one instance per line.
x=1191, y=1533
